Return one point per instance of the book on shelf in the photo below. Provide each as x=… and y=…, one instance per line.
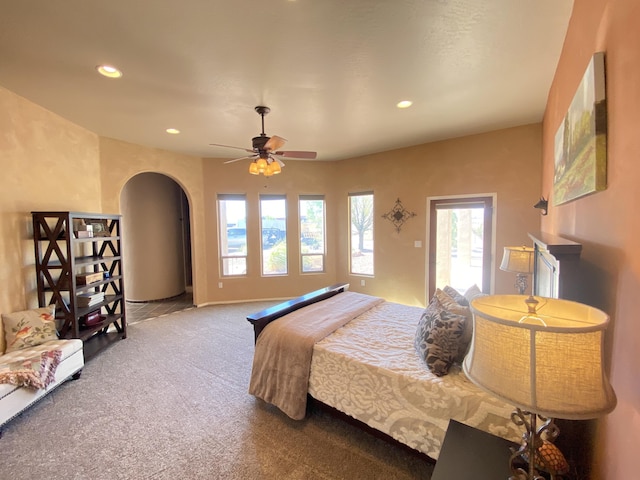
x=90, y=298
x=89, y=303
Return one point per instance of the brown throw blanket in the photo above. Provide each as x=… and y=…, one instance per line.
x=282, y=360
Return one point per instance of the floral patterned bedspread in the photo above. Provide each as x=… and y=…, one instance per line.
x=369, y=369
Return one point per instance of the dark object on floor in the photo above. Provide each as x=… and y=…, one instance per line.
x=471, y=454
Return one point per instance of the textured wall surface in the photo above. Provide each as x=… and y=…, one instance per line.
x=607, y=222
x=121, y=161
x=504, y=162
x=47, y=163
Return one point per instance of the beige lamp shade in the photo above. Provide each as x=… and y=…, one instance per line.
x=517, y=259
x=549, y=362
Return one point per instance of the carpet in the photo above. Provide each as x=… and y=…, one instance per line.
x=171, y=402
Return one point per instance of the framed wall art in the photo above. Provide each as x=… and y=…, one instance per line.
x=581, y=139
x=100, y=226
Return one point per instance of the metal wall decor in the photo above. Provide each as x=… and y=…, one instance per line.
x=398, y=215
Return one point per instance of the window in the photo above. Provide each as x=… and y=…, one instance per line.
x=361, y=232
x=460, y=243
x=312, y=249
x=273, y=225
x=232, y=215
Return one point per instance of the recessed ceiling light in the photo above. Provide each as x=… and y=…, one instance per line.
x=173, y=131
x=404, y=104
x=109, y=71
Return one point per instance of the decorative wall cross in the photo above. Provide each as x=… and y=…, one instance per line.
x=398, y=215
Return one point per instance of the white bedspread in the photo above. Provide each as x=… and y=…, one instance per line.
x=370, y=370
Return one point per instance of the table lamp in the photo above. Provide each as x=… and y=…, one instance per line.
x=520, y=261
x=546, y=359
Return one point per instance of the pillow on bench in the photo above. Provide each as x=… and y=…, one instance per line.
x=29, y=328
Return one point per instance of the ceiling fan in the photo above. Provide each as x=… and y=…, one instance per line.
x=265, y=153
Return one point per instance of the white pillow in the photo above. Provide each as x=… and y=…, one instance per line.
x=472, y=292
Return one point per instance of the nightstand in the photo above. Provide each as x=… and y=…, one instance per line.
x=471, y=454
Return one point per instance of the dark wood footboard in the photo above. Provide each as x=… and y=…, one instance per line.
x=262, y=318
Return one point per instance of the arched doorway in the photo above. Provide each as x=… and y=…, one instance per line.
x=157, y=238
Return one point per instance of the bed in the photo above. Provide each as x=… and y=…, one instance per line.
x=368, y=368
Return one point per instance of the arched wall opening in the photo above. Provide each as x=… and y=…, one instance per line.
x=157, y=238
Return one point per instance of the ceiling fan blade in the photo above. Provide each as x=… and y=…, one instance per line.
x=241, y=158
x=274, y=143
x=297, y=154
x=230, y=146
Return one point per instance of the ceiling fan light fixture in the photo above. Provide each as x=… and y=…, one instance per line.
x=262, y=146
x=262, y=165
x=268, y=171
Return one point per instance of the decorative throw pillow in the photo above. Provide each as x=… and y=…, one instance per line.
x=438, y=337
x=433, y=309
x=457, y=296
x=448, y=303
x=451, y=306
x=472, y=292
x=29, y=327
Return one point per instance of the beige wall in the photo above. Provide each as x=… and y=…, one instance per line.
x=607, y=223
x=120, y=161
x=297, y=178
x=505, y=162
x=47, y=163
x=496, y=162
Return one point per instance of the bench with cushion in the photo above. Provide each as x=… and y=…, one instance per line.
x=33, y=360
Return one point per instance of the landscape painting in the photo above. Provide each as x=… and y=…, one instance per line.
x=581, y=139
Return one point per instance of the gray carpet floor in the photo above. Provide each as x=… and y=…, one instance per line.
x=171, y=402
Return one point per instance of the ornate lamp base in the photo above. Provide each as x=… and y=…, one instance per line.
x=540, y=453
x=521, y=283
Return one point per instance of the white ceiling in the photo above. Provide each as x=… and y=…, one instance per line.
x=331, y=71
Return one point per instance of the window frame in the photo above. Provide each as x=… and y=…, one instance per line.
x=350, y=234
x=323, y=254
x=268, y=197
x=485, y=201
x=223, y=258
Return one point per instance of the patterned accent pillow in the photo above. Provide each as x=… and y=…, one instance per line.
x=438, y=337
x=456, y=295
x=451, y=306
x=448, y=303
x=29, y=327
